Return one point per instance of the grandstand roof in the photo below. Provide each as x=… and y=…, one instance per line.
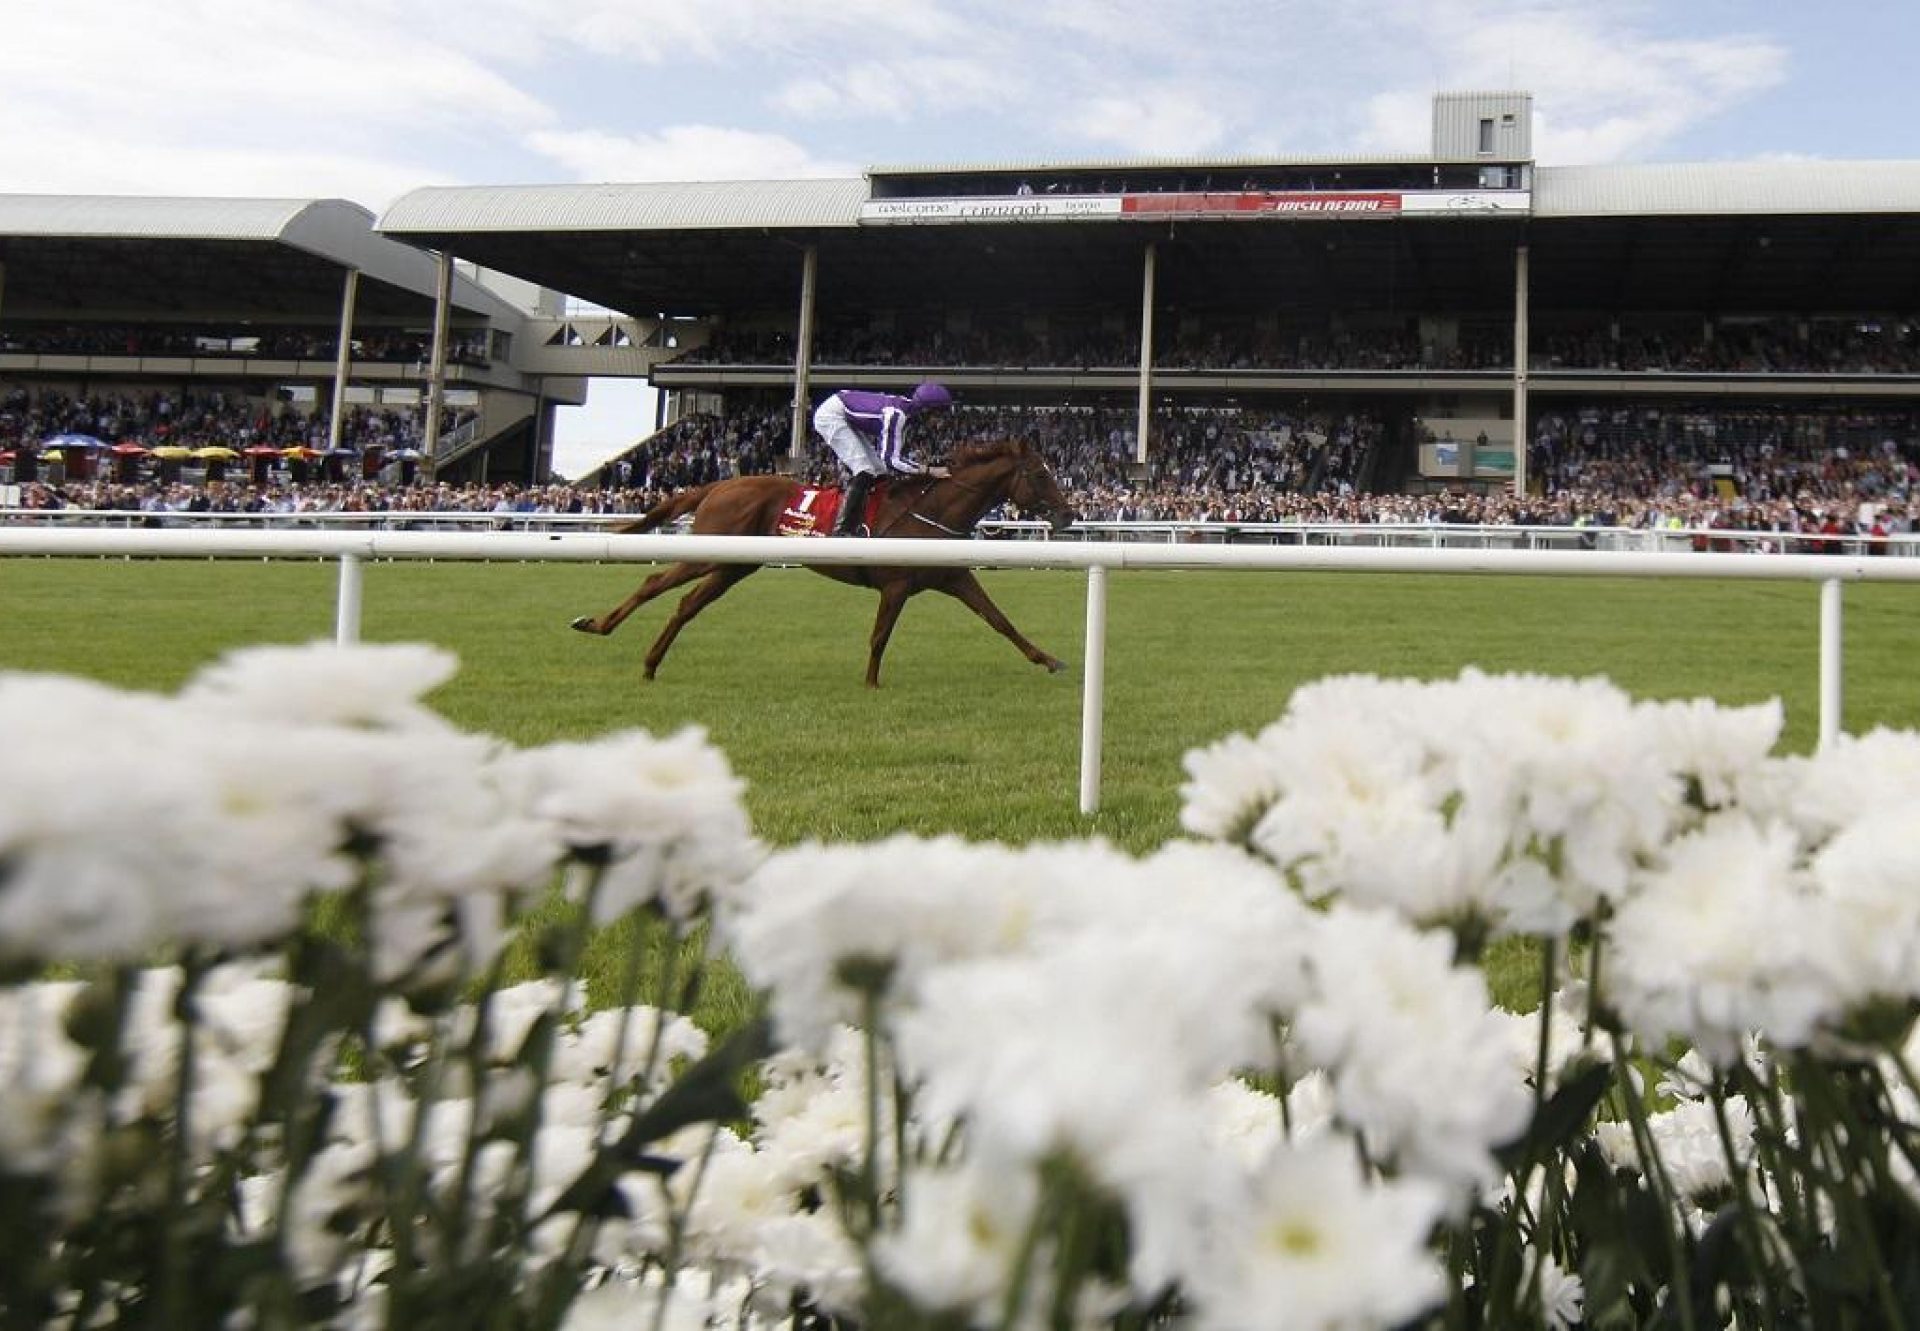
x=1767, y=236
x=1727, y=189
x=148, y=255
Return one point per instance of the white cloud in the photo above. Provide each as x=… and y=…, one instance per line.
x=1163, y=120
x=683, y=152
x=896, y=90
x=720, y=31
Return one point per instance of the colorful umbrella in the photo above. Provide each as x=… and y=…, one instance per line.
x=300, y=453
x=215, y=451
x=72, y=441
x=264, y=451
x=129, y=449
x=173, y=451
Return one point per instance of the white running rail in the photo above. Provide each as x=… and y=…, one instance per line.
x=354, y=548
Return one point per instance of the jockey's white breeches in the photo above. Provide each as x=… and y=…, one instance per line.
x=848, y=444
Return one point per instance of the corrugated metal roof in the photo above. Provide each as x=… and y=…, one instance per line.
x=333, y=229
x=1125, y=164
x=1726, y=189
x=650, y=206
x=131, y=217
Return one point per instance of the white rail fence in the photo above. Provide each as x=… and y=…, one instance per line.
x=1171, y=531
x=353, y=549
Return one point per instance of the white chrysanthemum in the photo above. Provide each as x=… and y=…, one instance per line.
x=735, y=1191
x=1868, y=878
x=903, y=908
x=1229, y=786
x=1415, y=1051
x=1104, y=1042
x=359, y=685
x=40, y=1072
x=1563, y=1295
x=1312, y=1245
x=1571, y=766
x=667, y=813
x=1855, y=776
x=808, y=1255
x=620, y=1304
x=610, y=1046
x=1723, y=750
x=1247, y=1123
x=1723, y=938
x=960, y=1237
x=1687, y=1140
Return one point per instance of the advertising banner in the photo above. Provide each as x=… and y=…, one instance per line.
x=1210, y=203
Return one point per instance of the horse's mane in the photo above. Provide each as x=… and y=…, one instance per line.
x=988, y=450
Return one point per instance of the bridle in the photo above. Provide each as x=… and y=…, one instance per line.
x=1023, y=473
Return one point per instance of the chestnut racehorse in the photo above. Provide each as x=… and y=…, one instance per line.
x=983, y=476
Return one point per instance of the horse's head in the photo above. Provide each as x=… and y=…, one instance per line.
x=1035, y=490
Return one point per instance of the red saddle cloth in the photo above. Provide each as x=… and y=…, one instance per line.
x=814, y=510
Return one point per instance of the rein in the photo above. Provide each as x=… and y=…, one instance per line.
x=916, y=515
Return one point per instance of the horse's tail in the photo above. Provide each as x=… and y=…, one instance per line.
x=675, y=506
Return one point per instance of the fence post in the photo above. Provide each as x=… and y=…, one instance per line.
x=346, y=615
x=1093, y=688
x=1830, y=662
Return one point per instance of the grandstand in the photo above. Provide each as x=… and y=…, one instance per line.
x=242, y=302
x=1710, y=312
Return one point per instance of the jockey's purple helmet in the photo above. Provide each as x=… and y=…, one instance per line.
x=931, y=396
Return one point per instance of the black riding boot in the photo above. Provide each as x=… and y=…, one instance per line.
x=853, y=505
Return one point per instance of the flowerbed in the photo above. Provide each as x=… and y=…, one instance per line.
x=1253, y=1079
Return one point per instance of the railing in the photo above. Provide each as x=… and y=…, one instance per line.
x=1407, y=535
x=352, y=549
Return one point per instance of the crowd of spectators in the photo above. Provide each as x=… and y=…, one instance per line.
x=205, y=417
x=266, y=342
x=1835, y=346
x=1797, y=473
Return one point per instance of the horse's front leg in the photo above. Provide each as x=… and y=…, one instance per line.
x=965, y=587
x=893, y=598
x=720, y=578
x=665, y=581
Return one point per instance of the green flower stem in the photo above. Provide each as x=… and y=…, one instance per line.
x=1022, y=1274
x=677, y=1232
x=176, y=1265
x=1594, y=952
x=1789, y=1176
x=1840, y=1129
x=870, y=1166
x=1654, y=1171
x=1756, y=1237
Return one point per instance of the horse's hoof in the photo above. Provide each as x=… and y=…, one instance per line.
x=585, y=624
x=1053, y=667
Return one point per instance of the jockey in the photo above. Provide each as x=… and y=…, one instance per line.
x=867, y=431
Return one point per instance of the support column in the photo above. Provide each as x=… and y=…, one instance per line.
x=342, y=357
x=437, y=370
x=1146, y=357
x=803, y=356
x=1521, y=437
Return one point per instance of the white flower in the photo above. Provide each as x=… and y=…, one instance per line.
x=961, y=1232
x=609, y=1046
x=1724, y=750
x=1868, y=878
x=1417, y=1056
x=667, y=811
x=1687, y=1140
x=1229, y=786
x=1563, y=1295
x=1310, y=1244
x=360, y=685
x=1723, y=938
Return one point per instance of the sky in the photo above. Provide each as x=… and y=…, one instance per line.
x=366, y=100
